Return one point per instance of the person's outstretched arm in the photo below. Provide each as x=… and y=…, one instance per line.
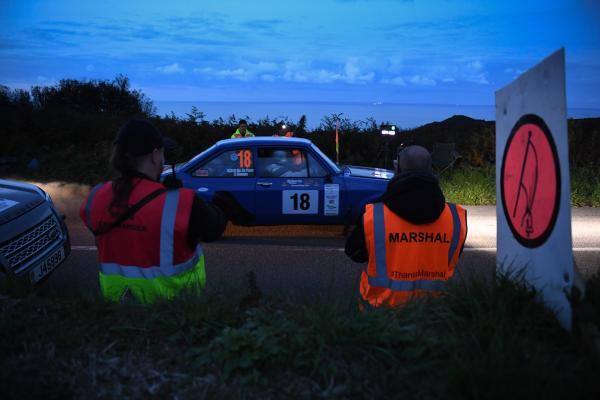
x=206, y=222
x=356, y=245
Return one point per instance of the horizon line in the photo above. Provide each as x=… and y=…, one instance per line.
x=374, y=103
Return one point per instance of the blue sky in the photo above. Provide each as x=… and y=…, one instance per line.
x=421, y=51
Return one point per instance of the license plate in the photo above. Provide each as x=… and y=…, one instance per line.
x=47, y=266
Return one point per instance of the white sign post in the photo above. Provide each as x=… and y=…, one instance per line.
x=533, y=185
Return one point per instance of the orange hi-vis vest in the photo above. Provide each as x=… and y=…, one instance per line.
x=408, y=260
x=148, y=253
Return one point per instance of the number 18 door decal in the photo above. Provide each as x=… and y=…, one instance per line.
x=300, y=202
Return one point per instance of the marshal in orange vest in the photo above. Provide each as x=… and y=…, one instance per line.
x=408, y=260
x=148, y=254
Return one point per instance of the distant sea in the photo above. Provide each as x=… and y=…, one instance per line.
x=403, y=115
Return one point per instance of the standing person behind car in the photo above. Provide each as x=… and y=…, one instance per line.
x=152, y=252
x=284, y=131
x=411, y=237
x=242, y=130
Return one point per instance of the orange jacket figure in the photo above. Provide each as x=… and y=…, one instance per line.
x=297, y=155
x=407, y=260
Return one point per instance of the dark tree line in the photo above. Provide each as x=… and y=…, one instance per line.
x=70, y=126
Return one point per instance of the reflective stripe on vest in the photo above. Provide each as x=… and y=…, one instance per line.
x=382, y=279
x=164, y=270
x=167, y=227
x=455, y=231
x=88, y=206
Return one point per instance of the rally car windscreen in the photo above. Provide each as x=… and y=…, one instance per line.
x=193, y=160
x=326, y=159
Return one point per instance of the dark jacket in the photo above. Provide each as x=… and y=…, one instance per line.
x=414, y=196
x=206, y=222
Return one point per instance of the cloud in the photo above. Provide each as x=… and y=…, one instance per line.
x=324, y=76
x=266, y=71
x=458, y=71
x=291, y=71
x=353, y=73
x=474, y=72
x=302, y=72
x=171, y=69
x=123, y=37
x=239, y=74
x=268, y=77
x=398, y=80
x=419, y=80
x=513, y=72
x=263, y=66
x=475, y=65
x=267, y=25
x=89, y=68
x=74, y=24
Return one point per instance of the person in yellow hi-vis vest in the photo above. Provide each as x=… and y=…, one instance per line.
x=410, y=238
x=242, y=130
x=147, y=234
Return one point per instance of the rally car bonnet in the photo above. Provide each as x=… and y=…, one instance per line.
x=366, y=172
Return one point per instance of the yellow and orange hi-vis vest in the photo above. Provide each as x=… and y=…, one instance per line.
x=408, y=260
x=149, y=254
x=238, y=134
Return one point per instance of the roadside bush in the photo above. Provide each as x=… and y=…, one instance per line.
x=490, y=340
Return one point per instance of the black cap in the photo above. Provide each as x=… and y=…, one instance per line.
x=139, y=137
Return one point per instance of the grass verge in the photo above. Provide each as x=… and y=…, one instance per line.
x=585, y=187
x=469, y=186
x=492, y=341
x=476, y=186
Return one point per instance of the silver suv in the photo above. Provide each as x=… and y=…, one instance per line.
x=33, y=237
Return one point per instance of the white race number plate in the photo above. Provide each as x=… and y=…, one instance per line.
x=47, y=266
x=300, y=201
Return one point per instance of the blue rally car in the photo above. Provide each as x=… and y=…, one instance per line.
x=278, y=180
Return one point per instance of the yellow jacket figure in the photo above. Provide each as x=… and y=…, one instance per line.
x=242, y=130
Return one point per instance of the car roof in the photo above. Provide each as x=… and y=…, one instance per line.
x=251, y=141
x=263, y=140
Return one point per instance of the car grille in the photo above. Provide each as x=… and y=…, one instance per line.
x=25, y=247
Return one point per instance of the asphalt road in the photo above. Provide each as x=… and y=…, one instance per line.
x=296, y=261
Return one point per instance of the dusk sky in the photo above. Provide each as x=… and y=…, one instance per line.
x=421, y=51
